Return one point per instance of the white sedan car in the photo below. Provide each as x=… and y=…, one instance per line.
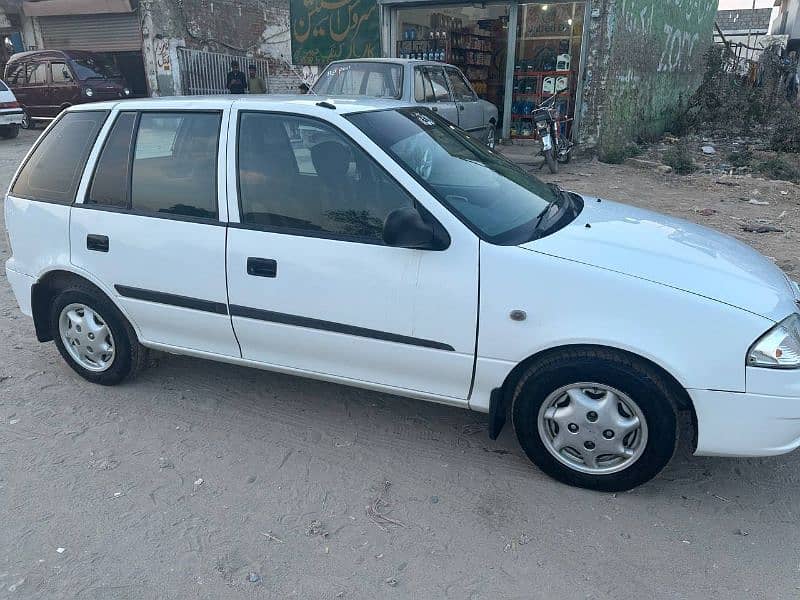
x=11, y=113
x=375, y=244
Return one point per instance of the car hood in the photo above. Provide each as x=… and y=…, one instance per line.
x=672, y=252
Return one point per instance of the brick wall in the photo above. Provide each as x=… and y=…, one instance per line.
x=742, y=20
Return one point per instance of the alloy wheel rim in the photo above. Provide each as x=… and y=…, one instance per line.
x=87, y=337
x=592, y=428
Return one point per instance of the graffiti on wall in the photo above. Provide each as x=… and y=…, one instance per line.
x=162, y=59
x=326, y=30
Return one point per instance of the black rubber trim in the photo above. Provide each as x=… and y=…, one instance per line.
x=153, y=215
x=286, y=319
x=172, y=299
x=497, y=413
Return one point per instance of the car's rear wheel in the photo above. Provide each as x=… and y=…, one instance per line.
x=93, y=337
x=595, y=419
x=27, y=122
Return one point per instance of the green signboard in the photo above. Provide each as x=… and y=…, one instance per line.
x=326, y=30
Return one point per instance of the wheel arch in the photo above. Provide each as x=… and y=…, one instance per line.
x=678, y=390
x=45, y=289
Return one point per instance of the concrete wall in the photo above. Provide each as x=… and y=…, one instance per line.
x=645, y=58
x=253, y=28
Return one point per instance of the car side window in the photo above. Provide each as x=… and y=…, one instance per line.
x=109, y=185
x=38, y=73
x=53, y=171
x=175, y=164
x=300, y=176
x=60, y=72
x=461, y=90
x=17, y=74
x=423, y=90
x=441, y=92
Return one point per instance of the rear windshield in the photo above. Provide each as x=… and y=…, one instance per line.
x=376, y=80
x=98, y=66
x=54, y=169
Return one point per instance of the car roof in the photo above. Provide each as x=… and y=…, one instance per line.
x=343, y=105
x=397, y=61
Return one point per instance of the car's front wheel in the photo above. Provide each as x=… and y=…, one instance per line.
x=93, y=337
x=27, y=122
x=595, y=419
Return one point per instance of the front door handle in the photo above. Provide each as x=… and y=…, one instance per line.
x=262, y=267
x=98, y=243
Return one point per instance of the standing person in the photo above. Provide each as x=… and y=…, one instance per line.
x=255, y=84
x=236, y=82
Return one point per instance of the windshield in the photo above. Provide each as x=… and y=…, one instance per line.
x=498, y=199
x=376, y=80
x=95, y=67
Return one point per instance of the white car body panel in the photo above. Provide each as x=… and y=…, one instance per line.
x=687, y=299
x=9, y=116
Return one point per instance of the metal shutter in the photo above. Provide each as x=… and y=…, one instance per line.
x=96, y=33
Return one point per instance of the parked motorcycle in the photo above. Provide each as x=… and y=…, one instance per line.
x=556, y=148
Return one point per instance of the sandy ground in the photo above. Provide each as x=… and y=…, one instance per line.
x=198, y=477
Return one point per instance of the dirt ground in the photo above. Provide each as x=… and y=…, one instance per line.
x=202, y=480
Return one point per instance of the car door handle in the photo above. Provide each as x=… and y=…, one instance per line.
x=262, y=267
x=98, y=243
x=460, y=107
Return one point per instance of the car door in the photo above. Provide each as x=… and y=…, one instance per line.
x=38, y=93
x=470, y=112
x=62, y=85
x=431, y=89
x=148, y=226
x=312, y=286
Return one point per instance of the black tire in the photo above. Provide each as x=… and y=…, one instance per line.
x=130, y=356
x=550, y=159
x=27, y=122
x=9, y=132
x=639, y=382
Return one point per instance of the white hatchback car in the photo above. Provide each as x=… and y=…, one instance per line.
x=374, y=244
x=11, y=113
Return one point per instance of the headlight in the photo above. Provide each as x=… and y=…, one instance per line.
x=779, y=348
x=89, y=92
x=126, y=91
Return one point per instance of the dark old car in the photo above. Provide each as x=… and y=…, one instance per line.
x=46, y=82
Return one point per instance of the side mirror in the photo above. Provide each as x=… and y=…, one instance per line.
x=405, y=228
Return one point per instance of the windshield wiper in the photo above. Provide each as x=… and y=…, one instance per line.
x=559, y=193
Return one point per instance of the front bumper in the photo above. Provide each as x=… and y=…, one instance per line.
x=21, y=285
x=761, y=422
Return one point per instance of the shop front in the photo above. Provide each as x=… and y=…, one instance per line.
x=515, y=55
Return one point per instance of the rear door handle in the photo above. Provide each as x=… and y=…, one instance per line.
x=98, y=243
x=262, y=267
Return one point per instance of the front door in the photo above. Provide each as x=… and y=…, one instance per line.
x=312, y=286
x=63, y=86
x=431, y=89
x=149, y=226
x=470, y=111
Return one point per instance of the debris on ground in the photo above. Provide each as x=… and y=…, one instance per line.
x=253, y=577
x=374, y=510
x=271, y=537
x=315, y=528
x=741, y=532
x=165, y=463
x=709, y=150
x=516, y=542
x=60, y=550
x=758, y=202
x=761, y=228
x=391, y=581
x=706, y=212
x=473, y=428
x=198, y=482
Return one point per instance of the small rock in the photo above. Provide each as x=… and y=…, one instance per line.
x=709, y=150
x=761, y=229
x=253, y=577
x=251, y=479
x=758, y=202
x=664, y=169
x=165, y=463
x=198, y=481
x=707, y=212
x=741, y=532
x=784, y=193
x=434, y=499
x=60, y=550
x=13, y=421
x=391, y=581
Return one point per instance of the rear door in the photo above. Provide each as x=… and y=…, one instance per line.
x=149, y=225
x=37, y=91
x=470, y=112
x=431, y=89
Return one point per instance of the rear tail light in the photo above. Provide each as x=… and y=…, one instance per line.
x=9, y=104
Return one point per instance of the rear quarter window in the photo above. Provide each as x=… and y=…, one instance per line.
x=53, y=171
